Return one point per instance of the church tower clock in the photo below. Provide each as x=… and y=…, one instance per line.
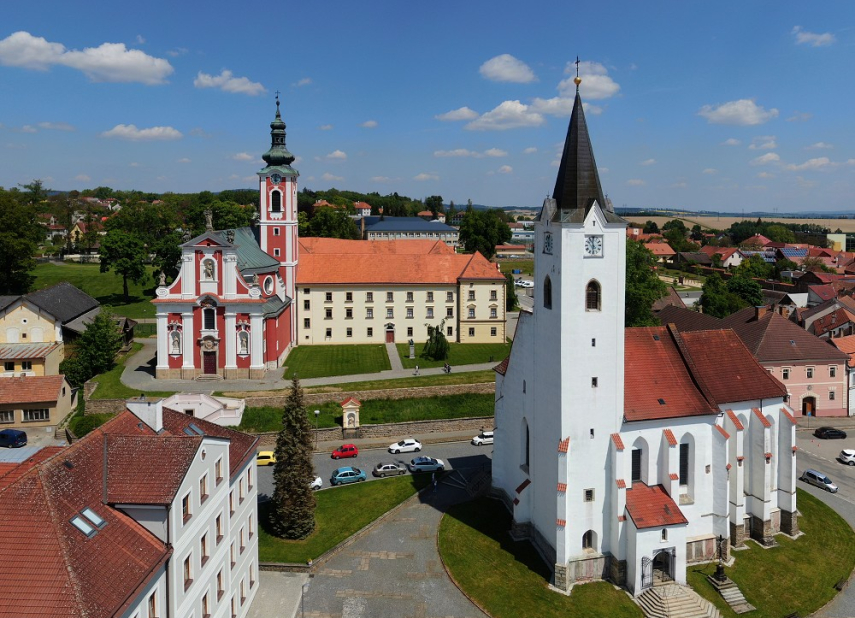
x=278, y=209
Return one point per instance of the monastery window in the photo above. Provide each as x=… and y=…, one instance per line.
x=449, y=331
x=232, y=554
x=592, y=296
x=349, y=332
x=218, y=470
x=471, y=295
x=409, y=313
x=206, y=606
x=369, y=313
x=328, y=297
x=329, y=333
x=809, y=372
x=589, y=540
x=209, y=318
x=275, y=201
x=494, y=331
x=589, y=495
x=493, y=295
x=471, y=332
x=449, y=297
x=409, y=297
x=307, y=305
x=471, y=313
x=221, y=588
x=832, y=371
x=328, y=313
x=186, y=513
x=307, y=323
x=525, y=447
x=369, y=297
x=429, y=313
x=547, y=293
x=348, y=313
x=449, y=312
x=307, y=291
x=409, y=331
x=684, y=464
x=203, y=548
x=232, y=501
x=348, y=297
x=36, y=414
x=369, y=332
x=218, y=526
x=241, y=492
x=390, y=297
x=593, y=343
x=203, y=488
x=430, y=297
x=494, y=312
x=785, y=373
x=593, y=382
x=390, y=312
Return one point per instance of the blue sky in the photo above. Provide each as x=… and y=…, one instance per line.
x=721, y=106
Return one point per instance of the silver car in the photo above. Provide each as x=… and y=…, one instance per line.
x=847, y=456
x=388, y=469
x=818, y=479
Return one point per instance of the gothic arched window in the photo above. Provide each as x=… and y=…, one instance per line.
x=547, y=293
x=276, y=201
x=593, y=296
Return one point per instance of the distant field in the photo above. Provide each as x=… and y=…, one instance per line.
x=724, y=222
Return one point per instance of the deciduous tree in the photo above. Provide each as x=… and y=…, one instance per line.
x=482, y=230
x=293, y=512
x=717, y=300
x=643, y=286
x=95, y=350
x=436, y=346
x=125, y=254
x=332, y=223
x=19, y=239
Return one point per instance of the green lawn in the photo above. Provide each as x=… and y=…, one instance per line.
x=318, y=361
x=81, y=425
x=509, y=579
x=458, y=354
x=106, y=288
x=110, y=383
x=526, y=266
x=341, y=512
x=797, y=576
x=375, y=411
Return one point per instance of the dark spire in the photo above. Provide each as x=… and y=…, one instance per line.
x=578, y=183
x=278, y=153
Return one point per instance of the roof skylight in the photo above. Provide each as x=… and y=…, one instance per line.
x=94, y=518
x=196, y=429
x=81, y=524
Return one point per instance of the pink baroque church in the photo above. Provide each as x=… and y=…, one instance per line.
x=229, y=313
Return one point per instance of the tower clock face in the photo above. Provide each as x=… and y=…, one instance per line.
x=593, y=245
x=276, y=178
x=547, y=243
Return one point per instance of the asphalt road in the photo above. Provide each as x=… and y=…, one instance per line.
x=821, y=455
x=453, y=454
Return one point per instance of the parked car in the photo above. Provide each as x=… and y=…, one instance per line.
x=830, y=433
x=405, y=446
x=13, y=438
x=342, y=476
x=847, y=456
x=818, y=479
x=345, y=450
x=485, y=437
x=265, y=458
x=317, y=483
x=426, y=464
x=522, y=283
x=388, y=469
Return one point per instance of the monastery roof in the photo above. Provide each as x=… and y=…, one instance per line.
x=31, y=389
x=652, y=507
x=250, y=258
x=417, y=246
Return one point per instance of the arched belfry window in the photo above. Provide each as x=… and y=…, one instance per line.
x=593, y=296
x=547, y=293
x=275, y=201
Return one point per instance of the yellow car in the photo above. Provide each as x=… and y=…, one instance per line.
x=265, y=458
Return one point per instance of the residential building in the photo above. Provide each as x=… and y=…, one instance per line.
x=153, y=514
x=730, y=256
x=362, y=209
x=508, y=250
x=31, y=341
x=427, y=215
x=627, y=453
x=35, y=401
x=847, y=346
x=73, y=308
x=661, y=250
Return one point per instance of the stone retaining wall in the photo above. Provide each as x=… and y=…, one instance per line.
x=277, y=401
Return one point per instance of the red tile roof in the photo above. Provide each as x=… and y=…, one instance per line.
x=652, y=507
x=823, y=292
x=562, y=487
x=9, y=351
x=621, y=484
x=847, y=346
x=352, y=400
x=686, y=319
x=11, y=472
x=502, y=367
x=669, y=435
x=722, y=432
x=789, y=416
x=618, y=441
x=165, y=460
x=660, y=249
x=735, y=420
x=672, y=297
x=763, y=419
x=31, y=389
x=674, y=476
x=564, y=445
x=827, y=323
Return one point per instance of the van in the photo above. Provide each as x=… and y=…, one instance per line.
x=13, y=438
x=818, y=479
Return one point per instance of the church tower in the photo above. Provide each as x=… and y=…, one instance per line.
x=278, y=211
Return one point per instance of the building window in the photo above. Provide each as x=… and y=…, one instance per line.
x=471, y=313
x=547, y=293
x=209, y=318
x=36, y=414
x=7, y=416
x=276, y=252
x=232, y=553
x=832, y=371
x=9, y=365
x=409, y=297
x=409, y=331
x=430, y=297
x=664, y=535
x=494, y=331
x=203, y=548
x=152, y=605
x=275, y=201
x=471, y=332
x=307, y=323
x=369, y=332
x=203, y=488
x=276, y=231
x=449, y=331
x=471, y=295
x=785, y=373
x=430, y=313
x=251, y=527
x=328, y=334
x=188, y=573
x=684, y=464
x=494, y=312
x=328, y=313
x=593, y=382
x=390, y=297
x=249, y=478
x=369, y=313
x=306, y=305
x=592, y=296
x=349, y=332
x=588, y=540
x=809, y=372
x=186, y=513
x=493, y=295
x=218, y=470
x=348, y=297
x=831, y=395
x=221, y=588
x=218, y=526
x=636, y=465
x=369, y=297
x=242, y=539
x=348, y=313
x=26, y=365
x=232, y=501
x=449, y=297
x=390, y=312
x=409, y=313
x=449, y=312
x=328, y=297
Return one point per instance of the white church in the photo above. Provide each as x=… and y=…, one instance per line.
x=627, y=453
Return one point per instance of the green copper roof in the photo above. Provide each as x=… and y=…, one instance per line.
x=250, y=258
x=278, y=154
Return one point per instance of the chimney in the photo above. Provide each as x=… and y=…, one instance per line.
x=759, y=311
x=149, y=411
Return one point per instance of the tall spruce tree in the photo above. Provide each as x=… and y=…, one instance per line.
x=293, y=512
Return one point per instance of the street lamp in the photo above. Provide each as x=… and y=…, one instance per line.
x=317, y=414
x=303, y=591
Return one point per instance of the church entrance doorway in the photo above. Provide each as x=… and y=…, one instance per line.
x=809, y=406
x=390, y=333
x=659, y=569
x=209, y=363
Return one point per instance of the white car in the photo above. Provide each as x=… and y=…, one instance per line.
x=317, y=483
x=847, y=456
x=405, y=446
x=485, y=437
x=522, y=283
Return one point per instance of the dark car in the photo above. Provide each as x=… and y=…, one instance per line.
x=13, y=438
x=830, y=433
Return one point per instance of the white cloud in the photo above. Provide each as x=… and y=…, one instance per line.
x=635, y=182
x=109, y=62
x=763, y=142
x=604, y=170
x=820, y=163
x=596, y=83
x=507, y=115
x=380, y=179
x=591, y=110
x=326, y=127
x=506, y=169
x=462, y=113
x=731, y=142
x=131, y=132
x=765, y=175
x=465, y=152
x=679, y=185
x=56, y=126
x=28, y=128
x=425, y=176
x=556, y=106
x=184, y=160
x=82, y=178
x=495, y=152
x=140, y=39
x=227, y=82
x=304, y=82
x=530, y=150
x=243, y=156
x=369, y=124
x=804, y=183
x=803, y=37
x=744, y=112
x=199, y=132
x=800, y=117
x=820, y=146
x=133, y=164
x=178, y=51
x=648, y=162
x=850, y=162
x=331, y=177
x=710, y=171
x=336, y=155
x=506, y=68
x=769, y=157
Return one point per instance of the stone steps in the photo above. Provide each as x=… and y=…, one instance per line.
x=731, y=593
x=675, y=601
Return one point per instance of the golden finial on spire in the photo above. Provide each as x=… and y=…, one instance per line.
x=577, y=80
